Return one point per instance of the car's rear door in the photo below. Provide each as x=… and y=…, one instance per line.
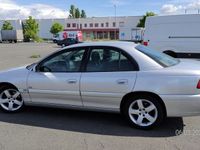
x=109, y=74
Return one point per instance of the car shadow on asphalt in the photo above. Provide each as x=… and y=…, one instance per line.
x=88, y=122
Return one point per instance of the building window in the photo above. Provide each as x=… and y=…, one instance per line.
x=96, y=25
x=102, y=25
x=121, y=24
x=107, y=24
x=74, y=25
x=105, y=35
x=68, y=25
x=85, y=25
x=80, y=26
x=91, y=25
x=114, y=24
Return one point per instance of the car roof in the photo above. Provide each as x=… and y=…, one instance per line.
x=119, y=44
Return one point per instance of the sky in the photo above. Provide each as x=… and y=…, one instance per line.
x=40, y=9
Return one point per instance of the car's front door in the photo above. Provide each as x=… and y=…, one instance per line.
x=56, y=79
x=110, y=74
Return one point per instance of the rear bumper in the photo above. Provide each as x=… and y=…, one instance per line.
x=182, y=105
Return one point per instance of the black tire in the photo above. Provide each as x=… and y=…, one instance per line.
x=156, y=102
x=18, y=98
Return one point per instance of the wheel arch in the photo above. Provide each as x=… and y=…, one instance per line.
x=3, y=84
x=133, y=94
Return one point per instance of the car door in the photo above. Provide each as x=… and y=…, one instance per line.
x=110, y=74
x=56, y=79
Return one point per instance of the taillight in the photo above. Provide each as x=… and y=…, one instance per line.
x=145, y=43
x=198, y=85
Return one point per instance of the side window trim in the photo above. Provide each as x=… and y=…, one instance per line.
x=132, y=60
x=61, y=52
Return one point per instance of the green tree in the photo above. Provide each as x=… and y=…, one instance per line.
x=56, y=28
x=7, y=26
x=31, y=29
x=143, y=20
x=83, y=14
x=77, y=14
x=72, y=11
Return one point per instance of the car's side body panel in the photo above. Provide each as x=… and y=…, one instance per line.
x=178, y=92
x=182, y=105
x=106, y=89
x=166, y=84
x=60, y=88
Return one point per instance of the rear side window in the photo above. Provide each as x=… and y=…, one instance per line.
x=161, y=58
x=108, y=60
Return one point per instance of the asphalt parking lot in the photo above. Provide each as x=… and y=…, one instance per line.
x=45, y=128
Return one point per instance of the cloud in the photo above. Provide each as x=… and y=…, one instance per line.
x=168, y=9
x=194, y=5
x=179, y=6
x=118, y=2
x=11, y=10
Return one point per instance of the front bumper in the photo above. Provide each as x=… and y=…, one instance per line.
x=182, y=105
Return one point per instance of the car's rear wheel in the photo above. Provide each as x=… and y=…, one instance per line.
x=144, y=112
x=10, y=99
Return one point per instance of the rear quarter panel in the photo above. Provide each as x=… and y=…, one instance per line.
x=166, y=83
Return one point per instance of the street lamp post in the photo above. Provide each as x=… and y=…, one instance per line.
x=115, y=6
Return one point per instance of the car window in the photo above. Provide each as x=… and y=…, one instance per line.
x=108, y=60
x=69, y=61
x=70, y=40
x=163, y=59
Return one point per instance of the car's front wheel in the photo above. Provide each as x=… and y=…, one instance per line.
x=144, y=112
x=10, y=99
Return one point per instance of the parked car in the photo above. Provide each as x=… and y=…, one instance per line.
x=67, y=42
x=176, y=35
x=143, y=84
x=55, y=38
x=68, y=34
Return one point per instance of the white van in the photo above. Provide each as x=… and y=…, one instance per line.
x=176, y=35
x=131, y=34
x=68, y=34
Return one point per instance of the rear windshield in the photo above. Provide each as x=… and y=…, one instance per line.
x=161, y=58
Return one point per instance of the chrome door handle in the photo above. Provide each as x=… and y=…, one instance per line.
x=72, y=81
x=122, y=81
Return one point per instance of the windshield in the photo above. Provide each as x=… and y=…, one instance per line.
x=161, y=58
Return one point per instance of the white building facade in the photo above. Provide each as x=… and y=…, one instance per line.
x=92, y=28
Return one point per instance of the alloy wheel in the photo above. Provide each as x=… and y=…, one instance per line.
x=143, y=112
x=11, y=100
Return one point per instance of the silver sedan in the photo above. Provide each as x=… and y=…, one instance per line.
x=142, y=84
